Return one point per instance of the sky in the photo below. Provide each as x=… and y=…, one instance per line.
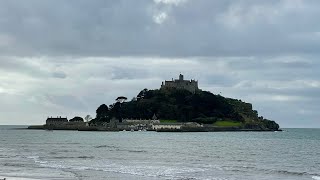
x=65, y=58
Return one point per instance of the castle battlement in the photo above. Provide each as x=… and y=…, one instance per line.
x=190, y=85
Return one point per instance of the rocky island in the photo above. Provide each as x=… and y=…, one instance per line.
x=178, y=106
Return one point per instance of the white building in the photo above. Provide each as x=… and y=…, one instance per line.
x=167, y=126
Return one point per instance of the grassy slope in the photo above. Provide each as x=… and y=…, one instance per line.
x=227, y=124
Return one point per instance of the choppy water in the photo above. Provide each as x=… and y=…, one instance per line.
x=36, y=154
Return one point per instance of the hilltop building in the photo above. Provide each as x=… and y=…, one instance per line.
x=56, y=120
x=189, y=85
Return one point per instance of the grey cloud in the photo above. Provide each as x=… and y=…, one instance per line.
x=223, y=80
x=191, y=28
x=93, y=81
x=70, y=101
x=296, y=64
x=30, y=67
x=129, y=73
x=58, y=74
x=12, y=64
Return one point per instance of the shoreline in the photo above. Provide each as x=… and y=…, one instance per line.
x=182, y=130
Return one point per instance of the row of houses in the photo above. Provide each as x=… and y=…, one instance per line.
x=63, y=122
x=126, y=124
x=153, y=124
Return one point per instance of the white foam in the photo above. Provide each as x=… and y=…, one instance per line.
x=19, y=178
x=316, y=177
x=147, y=171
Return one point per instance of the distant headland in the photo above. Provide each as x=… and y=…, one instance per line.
x=178, y=106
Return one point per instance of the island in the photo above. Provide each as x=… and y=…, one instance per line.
x=177, y=106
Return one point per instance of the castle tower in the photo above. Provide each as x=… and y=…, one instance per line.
x=180, y=77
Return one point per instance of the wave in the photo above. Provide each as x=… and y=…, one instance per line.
x=7, y=156
x=35, y=158
x=293, y=173
x=16, y=165
x=54, y=143
x=145, y=171
x=85, y=157
x=182, y=173
x=73, y=157
x=290, y=172
x=105, y=146
x=268, y=171
x=135, y=151
x=115, y=148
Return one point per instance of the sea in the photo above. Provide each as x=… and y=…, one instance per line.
x=293, y=154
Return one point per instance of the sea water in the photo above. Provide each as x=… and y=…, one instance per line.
x=293, y=154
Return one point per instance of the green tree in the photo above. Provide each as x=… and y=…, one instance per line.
x=88, y=118
x=76, y=119
x=102, y=112
x=121, y=99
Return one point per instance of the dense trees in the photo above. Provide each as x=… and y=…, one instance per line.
x=184, y=106
x=102, y=113
x=171, y=104
x=76, y=119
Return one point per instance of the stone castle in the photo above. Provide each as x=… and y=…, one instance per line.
x=190, y=85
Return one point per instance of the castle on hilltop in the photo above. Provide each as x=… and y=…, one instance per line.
x=189, y=85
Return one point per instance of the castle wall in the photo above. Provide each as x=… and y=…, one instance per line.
x=191, y=86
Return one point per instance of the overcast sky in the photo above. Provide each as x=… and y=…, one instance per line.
x=65, y=58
